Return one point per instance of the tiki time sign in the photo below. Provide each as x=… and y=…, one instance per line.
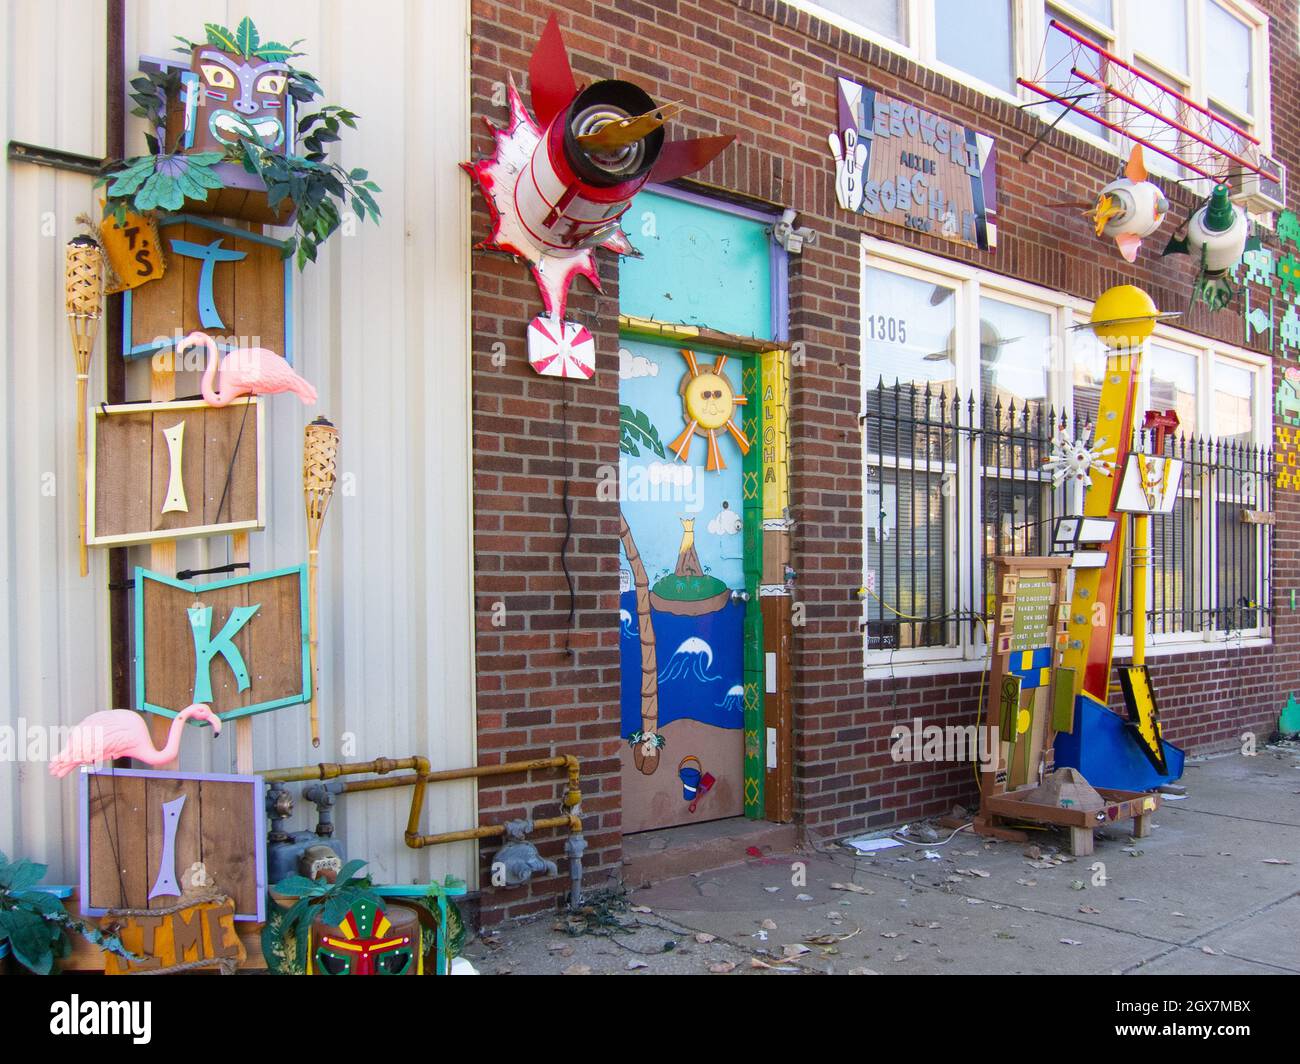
x=907, y=166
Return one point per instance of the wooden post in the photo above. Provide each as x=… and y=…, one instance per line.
x=162, y=556
x=320, y=448
x=239, y=552
x=84, y=302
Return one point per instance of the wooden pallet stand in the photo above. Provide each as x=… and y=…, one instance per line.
x=1030, y=699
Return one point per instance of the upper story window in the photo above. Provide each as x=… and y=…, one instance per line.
x=976, y=36
x=888, y=18
x=1212, y=52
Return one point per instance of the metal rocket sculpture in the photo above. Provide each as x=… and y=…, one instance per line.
x=1216, y=235
x=1129, y=208
x=560, y=179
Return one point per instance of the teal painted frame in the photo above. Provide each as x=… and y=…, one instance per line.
x=142, y=574
x=145, y=350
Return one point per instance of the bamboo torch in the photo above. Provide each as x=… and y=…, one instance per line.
x=320, y=449
x=83, y=292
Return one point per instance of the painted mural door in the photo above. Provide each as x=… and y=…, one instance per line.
x=690, y=553
x=682, y=579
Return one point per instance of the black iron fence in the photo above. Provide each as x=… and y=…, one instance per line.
x=952, y=482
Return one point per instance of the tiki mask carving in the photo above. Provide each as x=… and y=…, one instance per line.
x=232, y=97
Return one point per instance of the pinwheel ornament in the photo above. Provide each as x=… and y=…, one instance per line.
x=559, y=180
x=1075, y=460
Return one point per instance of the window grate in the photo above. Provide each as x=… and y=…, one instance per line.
x=950, y=483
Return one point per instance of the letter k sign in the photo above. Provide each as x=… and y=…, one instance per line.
x=205, y=647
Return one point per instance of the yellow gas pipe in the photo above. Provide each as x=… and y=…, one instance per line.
x=422, y=776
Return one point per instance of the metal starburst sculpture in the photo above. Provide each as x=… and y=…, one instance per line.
x=1076, y=460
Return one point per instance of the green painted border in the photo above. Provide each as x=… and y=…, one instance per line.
x=755, y=745
x=142, y=574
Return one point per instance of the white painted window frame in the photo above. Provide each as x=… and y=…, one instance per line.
x=1028, y=28
x=1066, y=311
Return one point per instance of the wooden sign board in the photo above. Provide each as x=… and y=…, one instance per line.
x=1030, y=610
x=921, y=171
x=199, y=936
x=166, y=471
x=148, y=836
x=238, y=645
x=133, y=250
x=230, y=283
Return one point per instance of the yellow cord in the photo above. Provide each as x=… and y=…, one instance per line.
x=984, y=675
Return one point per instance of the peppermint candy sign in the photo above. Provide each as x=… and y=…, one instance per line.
x=561, y=348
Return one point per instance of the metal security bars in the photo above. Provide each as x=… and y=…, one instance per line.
x=952, y=482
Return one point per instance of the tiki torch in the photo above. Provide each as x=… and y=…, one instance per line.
x=83, y=293
x=320, y=450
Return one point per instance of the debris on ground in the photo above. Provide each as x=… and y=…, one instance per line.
x=870, y=843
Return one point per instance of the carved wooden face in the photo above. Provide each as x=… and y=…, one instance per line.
x=238, y=97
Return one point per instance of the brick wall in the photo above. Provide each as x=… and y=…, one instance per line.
x=767, y=72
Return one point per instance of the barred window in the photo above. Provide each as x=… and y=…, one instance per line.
x=967, y=379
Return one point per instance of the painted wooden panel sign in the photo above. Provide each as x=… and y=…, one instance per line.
x=163, y=471
x=197, y=936
x=239, y=645
x=148, y=836
x=907, y=166
x=230, y=283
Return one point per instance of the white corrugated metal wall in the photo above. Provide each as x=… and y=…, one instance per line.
x=381, y=327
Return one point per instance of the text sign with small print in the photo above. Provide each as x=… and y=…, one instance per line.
x=238, y=645
x=1031, y=624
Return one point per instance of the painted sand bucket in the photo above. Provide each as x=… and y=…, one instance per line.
x=689, y=771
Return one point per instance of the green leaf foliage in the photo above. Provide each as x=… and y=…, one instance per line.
x=287, y=934
x=34, y=922
x=246, y=37
x=635, y=427
x=220, y=37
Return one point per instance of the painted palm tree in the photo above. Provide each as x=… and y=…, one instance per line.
x=635, y=428
x=646, y=743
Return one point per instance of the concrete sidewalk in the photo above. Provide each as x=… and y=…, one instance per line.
x=1214, y=890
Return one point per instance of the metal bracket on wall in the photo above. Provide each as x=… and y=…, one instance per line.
x=55, y=158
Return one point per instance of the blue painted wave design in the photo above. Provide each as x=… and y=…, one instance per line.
x=701, y=666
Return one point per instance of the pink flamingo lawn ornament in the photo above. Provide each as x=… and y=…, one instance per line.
x=245, y=371
x=113, y=733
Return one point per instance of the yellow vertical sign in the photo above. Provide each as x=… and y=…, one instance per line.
x=774, y=434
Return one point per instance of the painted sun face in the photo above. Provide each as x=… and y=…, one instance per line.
x=709, y=400
x=236, y=98
x=709, y=404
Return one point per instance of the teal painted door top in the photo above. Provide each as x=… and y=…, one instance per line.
x=699, y=266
